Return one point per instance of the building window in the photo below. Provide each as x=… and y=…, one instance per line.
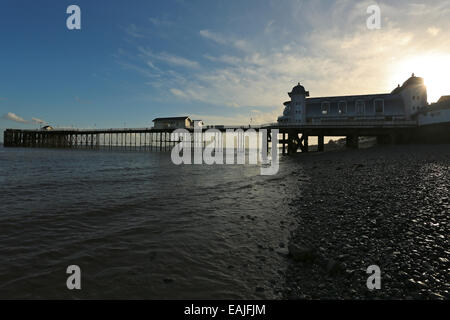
x=342, y=107
x=379, y=105
x=325, y=107
x=360, y=106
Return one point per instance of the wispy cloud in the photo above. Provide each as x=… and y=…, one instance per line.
x=168, y=58
x=38, y=121
x=133, y=31
x=13, y=117
x=213, y=36
x=433, y=31
x=176, y=61
x=337, y=55
x=224, y=40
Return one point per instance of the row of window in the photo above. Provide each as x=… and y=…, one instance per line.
x=360, y=106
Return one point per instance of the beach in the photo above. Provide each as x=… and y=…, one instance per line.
x=140, y=227
x=386, y=206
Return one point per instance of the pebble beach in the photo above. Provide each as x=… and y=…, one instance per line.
x=386, y=206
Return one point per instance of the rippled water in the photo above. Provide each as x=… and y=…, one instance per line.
x=139, y=226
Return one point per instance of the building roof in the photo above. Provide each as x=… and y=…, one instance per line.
x=171, y=119
x=413, y=80
x=444, y=99
x=350, y=98
x=397, y=90
x=299, y=89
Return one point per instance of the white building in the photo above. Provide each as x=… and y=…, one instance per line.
x=173, y=123
x=403, y=103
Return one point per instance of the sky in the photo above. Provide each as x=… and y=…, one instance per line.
x=226, y=62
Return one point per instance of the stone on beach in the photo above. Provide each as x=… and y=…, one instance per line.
x=385, y=206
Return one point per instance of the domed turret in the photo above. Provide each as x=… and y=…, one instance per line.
x=299, y=90
x=413, y=81
x=414, y=94
x=295, y=110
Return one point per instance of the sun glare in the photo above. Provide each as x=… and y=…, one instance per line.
x=434, y=68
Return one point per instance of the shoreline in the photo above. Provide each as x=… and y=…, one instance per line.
x=385, y=206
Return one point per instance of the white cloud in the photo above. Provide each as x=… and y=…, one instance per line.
x=13, y=117
x=224, y=59
x=223, y=40
x=433, y=31
x=167, y=58
x=177, y=61
x=177, y=92
x=38, y=121
x=330, y=51
x=213, y=36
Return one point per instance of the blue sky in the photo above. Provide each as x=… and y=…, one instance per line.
x=221, y=61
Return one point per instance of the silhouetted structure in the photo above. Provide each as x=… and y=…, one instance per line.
x=175, y=122
x=401, y=116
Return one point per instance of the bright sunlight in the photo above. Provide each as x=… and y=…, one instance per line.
x=434, y=68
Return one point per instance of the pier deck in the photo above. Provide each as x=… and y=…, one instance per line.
x=293, y=136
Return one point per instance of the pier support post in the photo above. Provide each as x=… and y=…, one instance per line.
x=293, y=142
x=320, y=143
x=304, y=143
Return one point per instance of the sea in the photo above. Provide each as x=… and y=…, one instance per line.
x=140, y=227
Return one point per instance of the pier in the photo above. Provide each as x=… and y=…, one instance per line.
x=401, y=116
x=144, y=138
x=292, y=137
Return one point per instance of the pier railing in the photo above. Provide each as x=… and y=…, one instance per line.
x=344, y=124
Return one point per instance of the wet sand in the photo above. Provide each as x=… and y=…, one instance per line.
x=386, y=206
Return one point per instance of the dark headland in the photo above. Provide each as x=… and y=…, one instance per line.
x=387, y=206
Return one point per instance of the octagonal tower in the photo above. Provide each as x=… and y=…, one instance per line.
x=295, y=110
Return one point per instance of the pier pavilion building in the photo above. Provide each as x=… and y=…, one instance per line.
x=405, y=102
